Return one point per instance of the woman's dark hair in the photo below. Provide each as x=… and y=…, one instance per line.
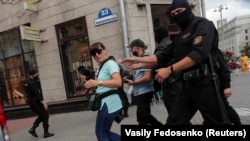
x=96, y=45
x=87, y=71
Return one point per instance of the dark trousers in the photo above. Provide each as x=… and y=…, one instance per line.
x=43, y=115
x=232, y=114
x=196, y=95
x=143, y=112
x=169, y=94
x=104, y=121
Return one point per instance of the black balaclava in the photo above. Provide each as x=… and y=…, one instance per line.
x=182, y=18
x=160, y=33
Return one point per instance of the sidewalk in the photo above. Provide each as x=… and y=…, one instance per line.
x=80, y=126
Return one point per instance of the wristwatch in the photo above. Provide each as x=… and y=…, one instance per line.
x=100, y=83
x=138, y=66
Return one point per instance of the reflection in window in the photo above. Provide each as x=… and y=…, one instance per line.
x=30, y=61
x=14, y=77
x=27, y=46
x=71, y=30
x=74, y=51
x=14, y=67
x=10, y=44
x=74, y=54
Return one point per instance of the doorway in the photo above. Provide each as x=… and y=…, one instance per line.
x=74, y=52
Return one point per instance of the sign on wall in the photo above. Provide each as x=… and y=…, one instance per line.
x=105, y=15
x=30, y=6
x=30, y=33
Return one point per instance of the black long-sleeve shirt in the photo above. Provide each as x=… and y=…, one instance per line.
x=33, y=89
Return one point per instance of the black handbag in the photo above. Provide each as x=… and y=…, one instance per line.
x=95, y=102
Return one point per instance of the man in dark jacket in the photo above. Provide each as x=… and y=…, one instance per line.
x=37, y=104
x=170, y=89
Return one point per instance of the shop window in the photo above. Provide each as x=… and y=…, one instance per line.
x=10, y=44
x=27, y=46
x=71, y=30
x=15, y=62
x=74, y=50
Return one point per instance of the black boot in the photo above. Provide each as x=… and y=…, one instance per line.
x=46, y=133
x=32, y=131
x=125, y=113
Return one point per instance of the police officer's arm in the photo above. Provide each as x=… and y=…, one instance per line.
x=158, y=50
x=163, y=73
x=223, y=73
x=152, y=61
x=144, y=59
x=136, y=66
x=140, y=62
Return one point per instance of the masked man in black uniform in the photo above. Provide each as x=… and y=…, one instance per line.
x=37, y=104
x=191, y=49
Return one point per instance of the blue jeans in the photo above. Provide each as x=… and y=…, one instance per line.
x=104, y=122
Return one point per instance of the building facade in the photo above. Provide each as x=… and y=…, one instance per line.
x=54, y=36
x=236, y=34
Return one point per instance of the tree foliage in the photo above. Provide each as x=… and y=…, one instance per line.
x=246, y=50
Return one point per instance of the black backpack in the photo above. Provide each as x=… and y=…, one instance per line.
x=122, y=93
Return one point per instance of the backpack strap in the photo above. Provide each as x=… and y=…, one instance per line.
x=101, y=66
x=108, y=93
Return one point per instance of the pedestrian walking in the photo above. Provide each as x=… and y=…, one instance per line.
x=37, y=104
x=143, y=87
x=244, y=63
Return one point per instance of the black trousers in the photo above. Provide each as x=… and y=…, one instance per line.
x=169, y=94
x=143, y=111
x=232, y=114
x=39, y=110
x=196, y=95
